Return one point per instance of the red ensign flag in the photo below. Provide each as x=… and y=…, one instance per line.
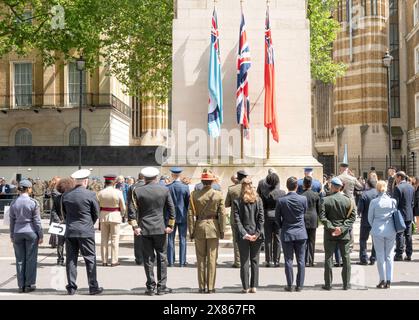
x=270, y=110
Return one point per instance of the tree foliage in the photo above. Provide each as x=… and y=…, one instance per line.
x=324, y=29
x=133, y=38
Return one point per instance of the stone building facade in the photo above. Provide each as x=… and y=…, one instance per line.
x=358, y=102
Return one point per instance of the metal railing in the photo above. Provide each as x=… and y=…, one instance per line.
x=6, y=200
x=62, y=100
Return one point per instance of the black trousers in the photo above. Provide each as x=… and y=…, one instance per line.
x=249, y=254
x=404, y=239
x=311, y=246
x=86, y=246
x=299, y=248
x=364, y=234
x=138, y=251
x=272, y=241
x=155, y=245
x=60, y=248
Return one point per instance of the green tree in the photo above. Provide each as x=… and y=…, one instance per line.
x=132, y=37
x=324, y=29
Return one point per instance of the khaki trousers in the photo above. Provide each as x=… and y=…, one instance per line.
x=109, y=230
x=206, y=254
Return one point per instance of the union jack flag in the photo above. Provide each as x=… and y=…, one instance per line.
x=243, y=66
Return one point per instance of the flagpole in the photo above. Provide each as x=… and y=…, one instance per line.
x=241, y=126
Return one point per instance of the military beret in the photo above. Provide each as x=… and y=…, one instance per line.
x=150, y=172
x=242, y=173
x=308, y=169
x=110, y=177
x=25, y=184
x=81, y=174
x=337, y=182
x=176, y=170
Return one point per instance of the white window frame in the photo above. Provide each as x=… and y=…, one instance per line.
x=13, y=83
x=77, y=101
x=415, y=13
x=417, y=110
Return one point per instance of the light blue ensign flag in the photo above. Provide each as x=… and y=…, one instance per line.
x=215, y=85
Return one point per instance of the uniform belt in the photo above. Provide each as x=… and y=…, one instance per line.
x=214, y=218
x=109, y=209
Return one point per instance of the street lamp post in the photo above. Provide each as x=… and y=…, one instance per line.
x=387, y=61
x=80, y=63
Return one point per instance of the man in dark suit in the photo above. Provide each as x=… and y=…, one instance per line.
x=289, y=213
x=404, y=193
x=311, y=219
x=180, y=196
x=363, y=206
x=153, y=201
x=337, y=214
x=132, y=215
x=81, y=211
x=4, y=187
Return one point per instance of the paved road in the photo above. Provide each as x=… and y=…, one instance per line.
x=128, y=280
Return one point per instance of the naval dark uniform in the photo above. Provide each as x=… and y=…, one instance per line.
x=81, y=210
x=153, y=201
x=132, y=215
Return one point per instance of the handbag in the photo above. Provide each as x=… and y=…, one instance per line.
x=399, y=224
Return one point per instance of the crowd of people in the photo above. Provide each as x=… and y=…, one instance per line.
x=157, y=207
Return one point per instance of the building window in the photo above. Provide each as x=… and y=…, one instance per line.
x=417, y=110
x=416, y=13
x=363, y=8
x=397, y=144
x=23, y=137
x=374, y=8
x=23, y=84
x=74, y=84
x=74, y=137
x=417, y=59
x=26, y=17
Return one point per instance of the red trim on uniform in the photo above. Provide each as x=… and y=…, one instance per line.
x=109, y=209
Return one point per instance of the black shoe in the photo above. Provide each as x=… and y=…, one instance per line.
x=30, y=289
x=21, y=290
x=96, y=291
x=372, y=262
x=71, y=292
x=362, y=263
x=161, y=292
x=347, y=287
x=298, y=289
x=328, y=288
x=150, y=292
x=388, y=284
x=407, y=259
x=235, y=265
x=138, y=263
x=201, y=290
x=268, y=264
x=184, y=265
x=211, y=291
x=288, y=288
x=337, y=265
x=398, y=258
x=381, y=285
x=276, y=265
x=169, y=265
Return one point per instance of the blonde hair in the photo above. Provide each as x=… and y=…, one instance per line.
x=381, y=186
x=248, y=193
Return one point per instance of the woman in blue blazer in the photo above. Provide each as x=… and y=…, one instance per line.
x=380, y=217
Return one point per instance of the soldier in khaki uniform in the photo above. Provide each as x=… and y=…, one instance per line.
x=234, y=193
x=206, y=222
x=112, y=205
x=39, y=193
